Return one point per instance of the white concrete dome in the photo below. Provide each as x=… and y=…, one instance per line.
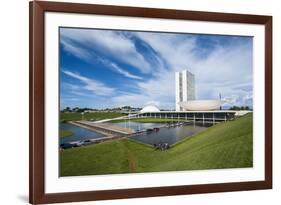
x=150, y=108
x=201, y=105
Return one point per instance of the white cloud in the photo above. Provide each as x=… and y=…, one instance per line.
x=118, y=69
x=109, y=43
x=159, y=90
x=139, y=100
x=75, y=50
x=124, y=72
x=96, y=87
x=175, y=50
x=84, y=54
x=226, y=70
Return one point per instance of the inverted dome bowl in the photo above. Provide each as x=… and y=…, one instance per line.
x=201, y=105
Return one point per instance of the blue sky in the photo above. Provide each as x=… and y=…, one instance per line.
x=106, y=68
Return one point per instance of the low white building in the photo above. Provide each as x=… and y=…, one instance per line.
x=150, y=108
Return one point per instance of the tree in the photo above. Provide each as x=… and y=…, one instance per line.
x=67, y=109
x=240, y=108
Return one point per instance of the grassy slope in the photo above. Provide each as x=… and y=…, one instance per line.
x=149, y=120
x=88, y=116
x=225, y=145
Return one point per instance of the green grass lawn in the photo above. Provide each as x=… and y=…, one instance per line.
x=69, y=116
x=150, y=120
x=225, y=145
x=65, y=133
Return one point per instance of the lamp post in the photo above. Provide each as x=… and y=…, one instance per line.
x=129, y=118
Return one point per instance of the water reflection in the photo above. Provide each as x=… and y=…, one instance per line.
x=170, y=135
x=78, y=133
x=139, y=126
x=164, y=135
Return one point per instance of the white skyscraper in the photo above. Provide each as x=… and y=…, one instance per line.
x=185, y=87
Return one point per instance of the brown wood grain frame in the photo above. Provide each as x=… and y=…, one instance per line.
x=37, y=193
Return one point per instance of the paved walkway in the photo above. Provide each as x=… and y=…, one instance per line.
x=104, y=128
x=117, y=118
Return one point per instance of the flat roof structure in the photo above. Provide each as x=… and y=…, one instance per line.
x=210, y=115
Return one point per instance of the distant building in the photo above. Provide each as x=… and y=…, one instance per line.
x=150, y=108
x=185, y=88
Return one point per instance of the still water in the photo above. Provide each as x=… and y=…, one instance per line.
x=164, y=135
x=169, y=135
x=78, y=133
x=139, y=126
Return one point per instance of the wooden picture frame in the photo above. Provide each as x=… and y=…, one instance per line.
x=38, y=9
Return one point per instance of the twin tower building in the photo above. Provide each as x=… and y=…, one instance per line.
x=185, y=95
x=185, y=88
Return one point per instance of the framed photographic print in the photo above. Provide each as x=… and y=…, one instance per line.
x=139, y=102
